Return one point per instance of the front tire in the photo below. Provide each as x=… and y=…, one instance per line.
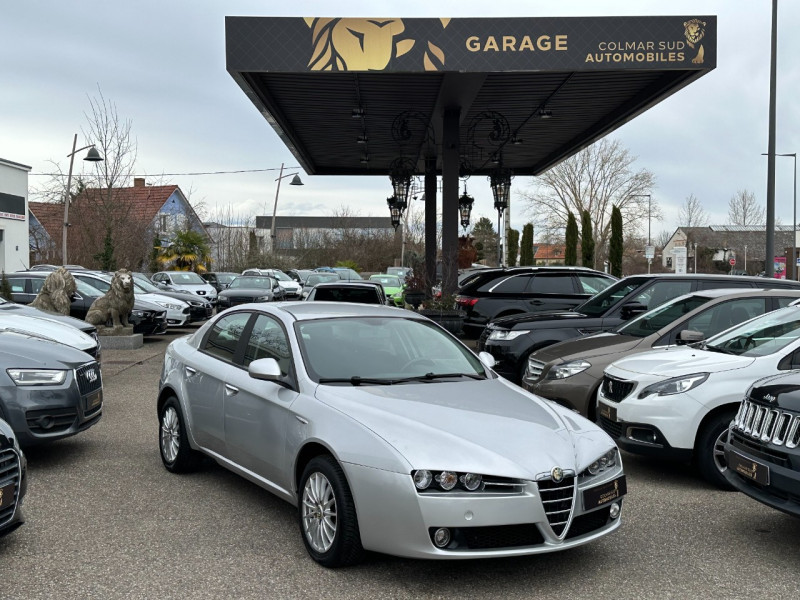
x=327, y=515
x=710, y=450
x=173, y=443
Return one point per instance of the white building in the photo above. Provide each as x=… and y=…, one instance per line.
x=14, y=250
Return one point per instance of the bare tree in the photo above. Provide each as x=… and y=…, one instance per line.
x=662, y=238
x=692, y=213
x=596, y=179
x=743, y=209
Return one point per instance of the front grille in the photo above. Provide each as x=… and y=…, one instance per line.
x=767, y=424
x=535, y=368
x=495, y=537
x=612, y=428
x=589, y=522
x=50, y=420
x=557, y=499
x=757, y=449
x=10, y=473
x=616, y=389
x=89, y=378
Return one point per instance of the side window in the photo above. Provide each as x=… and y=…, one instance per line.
x=720, y=283
x=98, y=284
x=515, y=284
x=552, y=284
x=268, y=340
x=725, y=315
x=18, y=285
x=224, y=336
x=591, y=284
x=36, y=286
x=660, y=292
x=784, y=302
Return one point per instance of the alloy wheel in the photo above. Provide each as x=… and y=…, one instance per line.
x=170, y=434
x=719, y=451
x=319, y=512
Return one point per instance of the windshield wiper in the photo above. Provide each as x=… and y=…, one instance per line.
x=433, y=376
x=718, y=349
x=356, y=380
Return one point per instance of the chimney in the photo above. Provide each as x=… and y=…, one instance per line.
x=138, y=182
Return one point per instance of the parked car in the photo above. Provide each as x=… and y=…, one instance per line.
x=316, y=278
x=401, y=272
x=48, y=390
x=392, y=288
x=512, y=339
x=375, y=423
x=250, y=288
x=678, y=403
x=299, y=275
x=495, y=293
x=185, y=280
x=570, y=372
x=46, y=267
x=347, y=291
x=347, y=274
x=13, y=480
x=219, y=280
x=146, y=318
x=200, y=308
x=177, y=310
x=763, y=446
x=12, y=308
x=291, y=289
x=54, y=331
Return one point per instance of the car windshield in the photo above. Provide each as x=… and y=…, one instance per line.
x=321, y=278
x=662, y=316
x=598, y=305
x=145, y=285
x=252, y=282
x=386, y=280
x=345, y=273
x=225, y=277
x=382, y=350
x=187, y=278
x=84, y=289
x=762, y=336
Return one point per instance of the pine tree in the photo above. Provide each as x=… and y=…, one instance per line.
x=587, y=240
x=571, y=240
x=526, y=246
x=615, y=243
x=513, y=247
x=106, y=257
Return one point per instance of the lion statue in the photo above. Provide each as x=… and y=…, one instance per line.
x=57, y=291
x=695, y=30
x=115, y=305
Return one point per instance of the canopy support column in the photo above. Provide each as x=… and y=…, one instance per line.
x=450, y=216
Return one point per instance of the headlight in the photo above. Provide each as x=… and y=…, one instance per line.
x=676, y=385
x=262, y=299
x=169, y=306
x=606, y=461
x=138, y=313
x=506, y=335
x=438, y=481
x=568, y=369
x=37, y=376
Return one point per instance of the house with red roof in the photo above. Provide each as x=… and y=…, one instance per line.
x=133, y=218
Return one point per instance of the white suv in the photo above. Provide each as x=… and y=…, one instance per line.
x=186, y=280
x=679, y=402
x=291, y=289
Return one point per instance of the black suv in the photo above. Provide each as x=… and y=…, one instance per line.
x=490, y=294
x=511, y=339
x=762, y=451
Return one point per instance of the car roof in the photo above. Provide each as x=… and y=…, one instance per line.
x=303, y=311
x=348, y=284
x=736, y=292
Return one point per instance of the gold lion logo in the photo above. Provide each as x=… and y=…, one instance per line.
x=695, y=30
x=363, y=44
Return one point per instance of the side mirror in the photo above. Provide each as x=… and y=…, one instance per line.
x=631, y=309
x=487, y=360
x=689, y=336
x=266, y=369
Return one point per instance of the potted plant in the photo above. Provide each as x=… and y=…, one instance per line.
x=445, y=312
x=414, y=293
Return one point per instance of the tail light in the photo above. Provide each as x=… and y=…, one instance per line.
x=466, y=301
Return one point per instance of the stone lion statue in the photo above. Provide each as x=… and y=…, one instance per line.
x=115, y=305
x=56, y=293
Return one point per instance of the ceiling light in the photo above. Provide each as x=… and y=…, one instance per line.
x=362, y=139
x=358, y=112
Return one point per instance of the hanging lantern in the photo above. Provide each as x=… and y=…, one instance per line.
x=465, y=207
x=400, y=173
x=394, y=210
x=500, y=181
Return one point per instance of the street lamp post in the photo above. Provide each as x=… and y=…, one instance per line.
x=794, y=214
x=295, y=181
x=92, y=156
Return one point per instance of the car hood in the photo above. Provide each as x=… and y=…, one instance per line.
x=522, y=320
x=487, y=426
x=25, y=351
x=599, y=344
x=245, y=292
x=289, y=285
x=48, y=330
x=154, y=297
x=674, y=362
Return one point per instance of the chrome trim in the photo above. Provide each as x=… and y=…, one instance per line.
x=768, y=425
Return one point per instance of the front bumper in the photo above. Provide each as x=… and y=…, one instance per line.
x=578, y=392
x=394, y=519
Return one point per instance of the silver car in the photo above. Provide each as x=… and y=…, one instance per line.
x=387, y=433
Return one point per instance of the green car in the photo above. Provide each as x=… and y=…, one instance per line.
x=392, y=287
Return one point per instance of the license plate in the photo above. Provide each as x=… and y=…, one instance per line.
x=94, y=400
x=748, y=468
x=603, y=494
x=6, y=496
x=608, y=412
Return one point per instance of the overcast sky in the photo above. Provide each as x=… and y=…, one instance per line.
x=163, y=65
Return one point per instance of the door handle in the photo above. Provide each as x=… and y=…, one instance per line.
x=536, y=302
x=190, y=371
x=231, y=390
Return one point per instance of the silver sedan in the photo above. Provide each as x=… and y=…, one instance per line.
x=387, y=433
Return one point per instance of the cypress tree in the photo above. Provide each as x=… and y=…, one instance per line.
x=513, y=247
x=526, y=246
x=615, y=244
x=571, y=241
x=587, y=240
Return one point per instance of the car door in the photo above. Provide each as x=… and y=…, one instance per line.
x=257, y=411
x=204, y=376
x=650, y=296
x=719, y=317
x=21, y=289
x=552, y=291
